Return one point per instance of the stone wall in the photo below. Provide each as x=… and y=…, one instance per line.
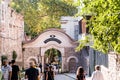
x=70, y=51
x=30, y=53
x=105, y=72
x=11, y=31
x=112, y=72
x=114, y=66
x=82, y=57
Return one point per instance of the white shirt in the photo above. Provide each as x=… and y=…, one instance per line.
x=5, y=71
x=39, y=70
x=97, y=75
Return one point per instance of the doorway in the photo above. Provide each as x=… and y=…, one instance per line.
x=53, y=57
x=72, y=65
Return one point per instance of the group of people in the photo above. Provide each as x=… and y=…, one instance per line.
x=96, y=75
x=9, y=71
x=33, y=73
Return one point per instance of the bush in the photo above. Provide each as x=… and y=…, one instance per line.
x=3, y=57
x=14, y=55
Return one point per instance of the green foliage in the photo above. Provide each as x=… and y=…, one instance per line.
x=51, y=54
x=43, y=14
x=3, y=57
x=83, y=43
x=104, y=24
x=14, y=55
x=117, y=48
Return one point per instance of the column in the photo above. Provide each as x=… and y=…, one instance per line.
x=67, y=68
x=63, y=62
x=42, y=63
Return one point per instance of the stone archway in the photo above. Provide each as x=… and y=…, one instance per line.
x=72, y=57
x=52, y=38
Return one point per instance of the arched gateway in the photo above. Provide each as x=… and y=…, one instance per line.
x=52, y=38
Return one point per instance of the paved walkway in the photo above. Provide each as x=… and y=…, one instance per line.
x=66, y=76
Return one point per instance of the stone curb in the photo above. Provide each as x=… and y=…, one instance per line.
x=70, y=76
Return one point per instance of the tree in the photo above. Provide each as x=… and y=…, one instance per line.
x=104, y=24
x=43, y=14
x=51, y=54
x=14, y=55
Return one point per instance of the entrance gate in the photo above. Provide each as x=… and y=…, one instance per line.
x=52, y=38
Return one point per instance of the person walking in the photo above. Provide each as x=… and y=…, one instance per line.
x=80, y=75
x=39, y=70
x=15, y=70
x=50, y=74
x=32, y=73
x=6, y=70
x=97, y=74
x=45, y=73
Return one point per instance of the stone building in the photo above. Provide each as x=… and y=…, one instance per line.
x=11, y=31
x=71, y=26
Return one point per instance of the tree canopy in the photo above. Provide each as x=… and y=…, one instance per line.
x=104, y=24
x=43, y=14
x=51, y=54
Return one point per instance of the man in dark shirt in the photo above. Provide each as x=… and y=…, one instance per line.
x=32, y=73
x=15, y=71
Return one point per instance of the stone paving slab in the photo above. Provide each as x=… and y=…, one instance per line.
x=62, y=77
